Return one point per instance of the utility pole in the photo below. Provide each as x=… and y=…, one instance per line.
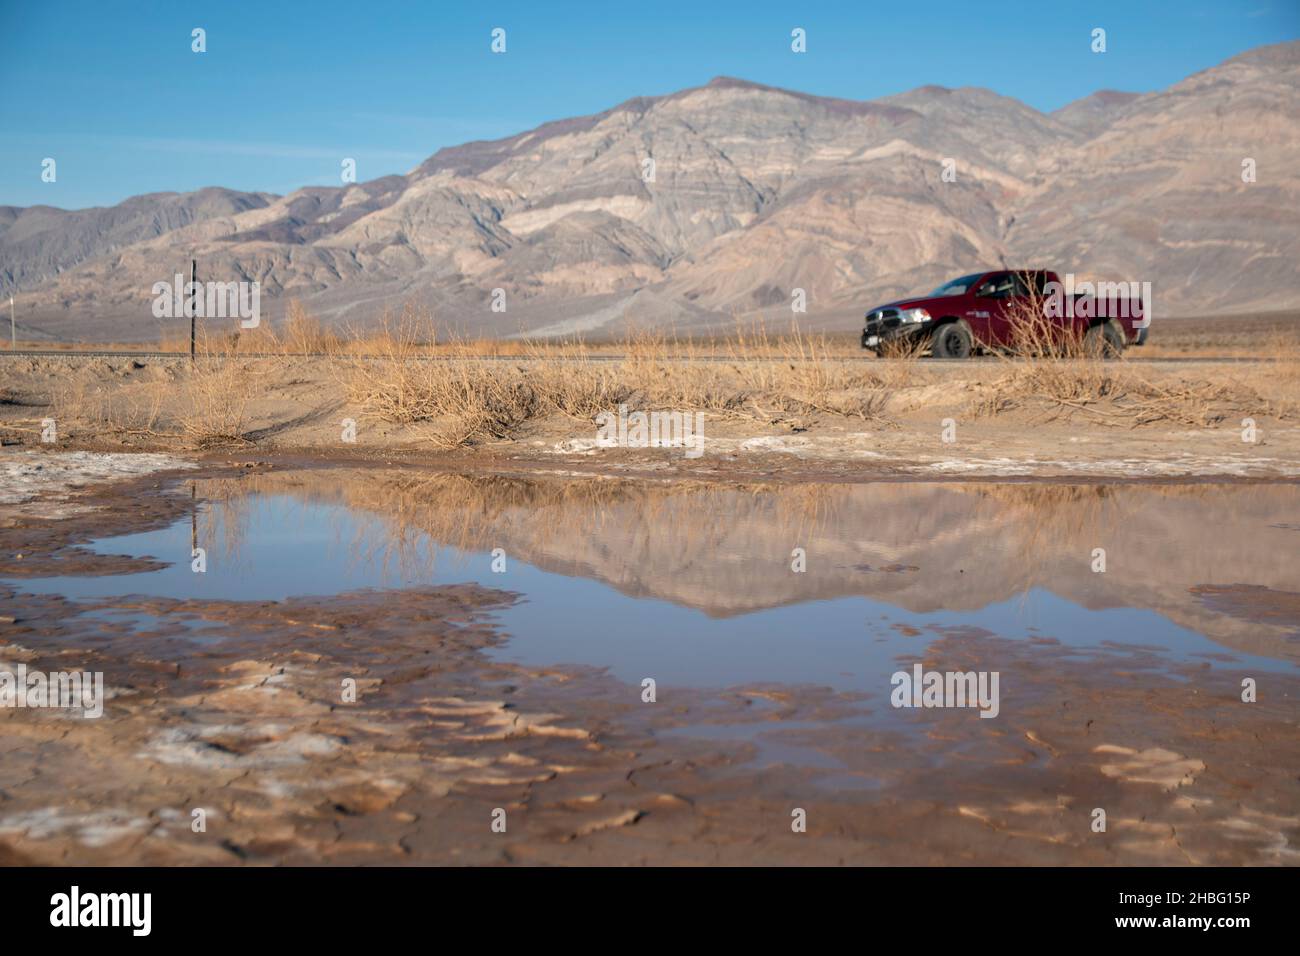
x=13, y=334
x=194, y=301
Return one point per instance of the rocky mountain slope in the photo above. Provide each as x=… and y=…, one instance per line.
x=755, y=192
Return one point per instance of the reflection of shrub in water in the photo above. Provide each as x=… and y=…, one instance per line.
x=398, y=513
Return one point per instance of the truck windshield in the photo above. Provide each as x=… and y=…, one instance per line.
x=956, y=286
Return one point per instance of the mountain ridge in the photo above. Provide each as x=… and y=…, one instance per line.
x=757, y=191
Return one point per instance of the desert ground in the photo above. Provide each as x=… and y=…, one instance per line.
x=224, y=688
x=1203, y=397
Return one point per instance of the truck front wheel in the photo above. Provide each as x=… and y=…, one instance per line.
x=952, y=340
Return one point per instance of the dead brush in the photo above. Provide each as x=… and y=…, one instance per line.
x=1195, y=403
x=645, y=359
x=812, y=377
x=215, y=392
x=1061, y=371
x=71, y=400
x=478, y=401
x=404, y=376
x=801, y=373
x=388, y=379
x=109, y=410
x=570, y=381
x=209, y=403
x=665, y=372
x=1046, y=364
x=1281, y=375
x=459, y=401
x=303, y=334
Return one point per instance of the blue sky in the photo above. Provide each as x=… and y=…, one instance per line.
x=112, y=91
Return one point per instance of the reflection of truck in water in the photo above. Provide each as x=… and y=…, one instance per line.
x=1004, y=310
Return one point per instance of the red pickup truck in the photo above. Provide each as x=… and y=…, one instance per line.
x=990, y=311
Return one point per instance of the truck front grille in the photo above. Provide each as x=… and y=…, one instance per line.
x=882, y=319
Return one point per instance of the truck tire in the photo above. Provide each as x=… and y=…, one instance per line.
x=952, y=340
x=1105, y=340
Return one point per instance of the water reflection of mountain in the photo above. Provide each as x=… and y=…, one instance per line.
x=726, y=549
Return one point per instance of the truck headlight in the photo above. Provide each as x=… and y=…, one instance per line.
x=915, y=315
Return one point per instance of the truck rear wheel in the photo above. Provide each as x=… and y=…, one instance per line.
x=952, y=340
x=1104, y=341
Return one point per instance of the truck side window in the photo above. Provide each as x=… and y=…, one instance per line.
x=1023, y=283
x=999, y=287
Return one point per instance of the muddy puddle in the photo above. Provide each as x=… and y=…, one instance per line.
x=714, y=587
x=1115, y=624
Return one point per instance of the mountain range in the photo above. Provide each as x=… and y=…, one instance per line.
x=753, y=192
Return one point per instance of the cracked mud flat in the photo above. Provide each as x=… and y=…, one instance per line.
x=467, y=703
x=45, y=485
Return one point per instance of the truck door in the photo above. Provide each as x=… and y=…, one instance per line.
x=987, y=312
x=1025, y=304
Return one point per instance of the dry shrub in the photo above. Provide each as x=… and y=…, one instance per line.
x=1121, y=396
x=568, y=379
x=1062, y=371
x=802, y=372
x=665, y=372
x=463, y=401
x=303, y=334
x=71, y=400
x=213, y=405
x=300, y=333
x=197, y=405
x=478, y=401
x=387, y=379
x=752, y=372
x=404, y=373
x=406, y=377
x=452, y=391
x=108, y=409
x=1280, y=375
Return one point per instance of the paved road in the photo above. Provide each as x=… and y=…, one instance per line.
x=1134, y=356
